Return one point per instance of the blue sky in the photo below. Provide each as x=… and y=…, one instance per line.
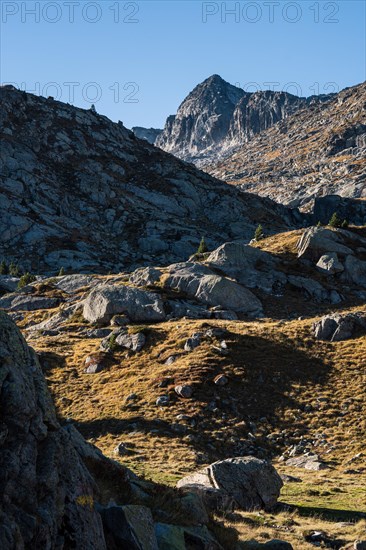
x=138, y=60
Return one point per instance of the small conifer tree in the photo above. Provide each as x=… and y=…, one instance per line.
x=345, y=224
x=61, y=272
x=259, y=233
x=26, y=279
x=202, y=247
x=335, y=220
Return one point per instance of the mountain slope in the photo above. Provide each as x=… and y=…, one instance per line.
x=81, y=192
x=315, y=152
x=216, y=118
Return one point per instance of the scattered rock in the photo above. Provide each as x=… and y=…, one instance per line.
x=184, y=391
x=193, y=342
x=98, y=333
x=290, y=479
x=221, y=380
x=120, y=321
x=132, y=397
x=307, y=461
x=163, y=401
x=330, y=264
x=171, y=359
x=121, y=450
x=135, y=342
x=95, y=363
x=319, y=538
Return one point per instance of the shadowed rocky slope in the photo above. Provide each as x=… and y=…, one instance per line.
x=82, y=192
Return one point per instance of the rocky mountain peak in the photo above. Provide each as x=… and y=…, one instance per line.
x=217, y=117
x=202, y=120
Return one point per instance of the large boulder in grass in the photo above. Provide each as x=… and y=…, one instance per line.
x=109, y=300
x=317, y=241
x=249, y=266
x=339, y=326
x=201, y=283
x=248, y=482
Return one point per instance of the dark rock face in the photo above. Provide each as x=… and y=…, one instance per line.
x=85, y=194
x=216, y=118
x=149, y=134
x=352, y=210
x=47, y=493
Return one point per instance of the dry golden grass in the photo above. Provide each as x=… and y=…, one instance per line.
x=288, y=526
x=284, y=386
x=275, y=369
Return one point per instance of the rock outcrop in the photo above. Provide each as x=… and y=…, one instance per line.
x=250, y=266
x=47, y=494
x=87, y=195
x=336, y=252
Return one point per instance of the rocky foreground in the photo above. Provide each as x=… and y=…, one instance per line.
x=206, y=369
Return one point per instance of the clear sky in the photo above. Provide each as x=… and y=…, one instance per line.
x=138, y=60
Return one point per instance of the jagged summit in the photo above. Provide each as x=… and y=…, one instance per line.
x=217, y=117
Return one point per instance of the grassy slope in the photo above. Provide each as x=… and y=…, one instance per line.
x=283, y=386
